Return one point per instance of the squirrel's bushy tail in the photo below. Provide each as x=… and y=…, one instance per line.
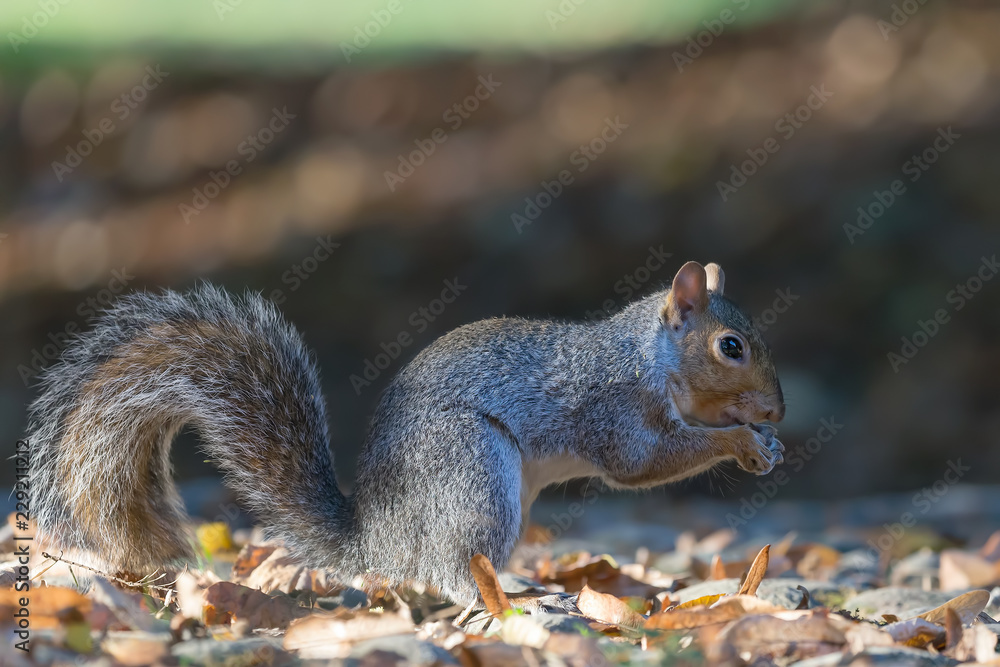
x=101, y=430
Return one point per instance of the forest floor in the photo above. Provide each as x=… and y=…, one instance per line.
x=588, y=586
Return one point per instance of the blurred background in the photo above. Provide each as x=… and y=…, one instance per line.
x=554, y=159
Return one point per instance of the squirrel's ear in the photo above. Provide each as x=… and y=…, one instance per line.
x=688, y=293
x=716, y=278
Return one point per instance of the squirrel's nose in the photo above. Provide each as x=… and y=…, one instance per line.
x=777, y=414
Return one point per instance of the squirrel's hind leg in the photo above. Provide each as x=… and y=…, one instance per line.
x=458, y=479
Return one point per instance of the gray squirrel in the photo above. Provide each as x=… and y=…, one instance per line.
x=462, y=441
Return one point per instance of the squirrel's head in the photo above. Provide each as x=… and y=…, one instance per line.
x=724, y=374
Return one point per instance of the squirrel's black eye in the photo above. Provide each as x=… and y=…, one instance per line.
x=731, y=347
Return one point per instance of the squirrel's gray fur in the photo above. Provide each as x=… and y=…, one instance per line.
x=461, y=442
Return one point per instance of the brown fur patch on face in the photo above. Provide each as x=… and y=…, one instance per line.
x=715, y=387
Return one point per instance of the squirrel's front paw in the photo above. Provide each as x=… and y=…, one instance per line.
x=763, y=450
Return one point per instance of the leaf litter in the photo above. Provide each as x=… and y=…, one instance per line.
x=796, y=602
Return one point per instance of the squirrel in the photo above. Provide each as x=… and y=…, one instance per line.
x=460, y=444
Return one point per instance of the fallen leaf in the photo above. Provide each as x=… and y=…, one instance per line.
x=250, y=557
x=786, y=627
x=601, y=574
x=811, y=560
x=725, y=608
x=523, y=630
x=607, y=609
x=952, y=628
x=489, y=585
x=804, y=602
x=976, y=644
x=961, y=570
x=128, y=607
x=214, y=538
x=756, y=574
x=703, y=601
x=279, y=571
x=915, y=632
x=991, y=550
x=326, y=636
x=48, y=606
x=967, y=606
x=226, y=602
x=678, y=619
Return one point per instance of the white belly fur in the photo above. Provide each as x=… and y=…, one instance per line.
x=538, y=474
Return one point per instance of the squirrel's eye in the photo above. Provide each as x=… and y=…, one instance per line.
x=731, y=347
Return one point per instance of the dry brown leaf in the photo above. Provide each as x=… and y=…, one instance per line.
x=703, y=601
x=679, y=619
x=190, y=595
x=716, y=542
x=608, y=609
x=960, y=569
x=274, y=569
x=967, y=606
x=915, y=632
x=785, y=545
x=249, y=557
x=726, y=608
x=489, y=585
x=862, y=635
x=523, y=630
x=226, y=602
x=718, y=569
x=127, y=606
x=786, y=627
x=952, y=628
x=976, y=644
x=756, y=574
x=327, y=636
x=991, y=550
x=602, y=574
x=49, y=606
x=812, y=559
x=804, y=602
